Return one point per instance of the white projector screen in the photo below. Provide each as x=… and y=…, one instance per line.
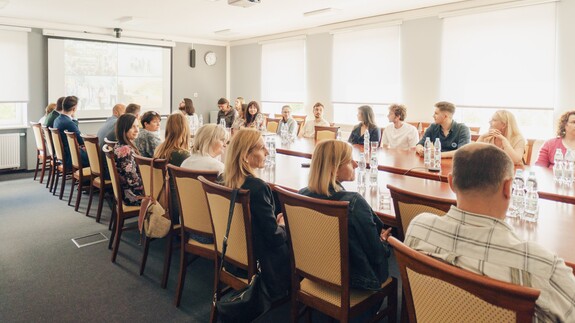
x=102, y=74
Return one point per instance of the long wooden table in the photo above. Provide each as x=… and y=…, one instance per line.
x=553, y=230
x=407, y=162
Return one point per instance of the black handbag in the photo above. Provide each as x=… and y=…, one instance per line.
x=248, y=303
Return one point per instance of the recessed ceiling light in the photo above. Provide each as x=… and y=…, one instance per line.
x=224, y=32
x=126, y=19
x=321, y=12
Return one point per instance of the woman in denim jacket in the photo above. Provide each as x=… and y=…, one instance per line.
x=332, y=164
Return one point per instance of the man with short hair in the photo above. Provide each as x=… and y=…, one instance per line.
x=226, y=112
x=309, y=126
x=287, y=121
x=399, y=134
x=65, y=122
x=51, y=117
x=474, y=236
x=110, y=123
x=132, y=108
x=451, y=134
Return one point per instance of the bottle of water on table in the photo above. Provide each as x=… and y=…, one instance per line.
x=558, y=166
x=373, y=169
x=427, y=152
x=366, y=142
x=531, y=199
x=517, y=206
x=569, y=167
x=361, y=166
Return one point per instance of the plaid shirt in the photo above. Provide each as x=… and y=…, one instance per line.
x=488, y=246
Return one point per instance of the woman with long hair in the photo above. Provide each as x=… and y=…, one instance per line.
x=246, y=153
x=565, y=140
x=187, y=108
x=332, y=164
x=366, y=119
x=209, y=145
x=130, y=179
x=253, y=115
x=240, y=120
x=175, y=147
x=505, y=134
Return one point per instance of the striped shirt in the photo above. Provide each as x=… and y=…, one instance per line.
x=488, y=246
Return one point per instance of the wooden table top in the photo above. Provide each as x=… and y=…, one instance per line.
x=553, y=230
x=407, y=162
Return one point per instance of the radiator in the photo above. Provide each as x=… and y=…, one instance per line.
x=9, y=150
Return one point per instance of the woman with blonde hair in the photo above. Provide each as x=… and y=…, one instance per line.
x=565, y=140
x=246, y=153
x=504, y=133
x=176, y=146
x=49, y=108
x=332, y=164
x=366, y=119
x=209, y=144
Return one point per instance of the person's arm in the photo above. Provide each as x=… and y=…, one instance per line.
x=413, y=137
x=514, y=151
x=543, y=157
x=559, y=291
x=292, y=130
x=262, y=209
x=464, y=136
x=419, y=146
x=354, y=135
x=384, y=140
x=374, y=134
x=368, y=228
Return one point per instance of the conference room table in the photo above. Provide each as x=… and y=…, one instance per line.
x=554, y=230
x=407, y=162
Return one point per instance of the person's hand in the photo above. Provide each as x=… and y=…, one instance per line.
x=385, y=234
x=280, y=219
x=496, y=133
x=419, y=150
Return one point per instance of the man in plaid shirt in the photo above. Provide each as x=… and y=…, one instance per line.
x=475, y=237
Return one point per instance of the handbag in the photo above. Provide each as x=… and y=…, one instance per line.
x=248, y=303
x=153, y=219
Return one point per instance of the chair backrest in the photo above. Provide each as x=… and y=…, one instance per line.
x=48, y=140
x=438, y=292
x=145, y=166
x=300, y=124
x=272, y=124
x=424, y=126
x=37, y=129
x=240, y=248
x=474, y=130
x=324, y=133
x=529, y=148
x=93, y=151
x=318, y=236
x=194, y=210
x=474, y=137
x=415, y=124
x=300, y=117
x=74, y=149
x=110, y=143
x=114, y=176
x=58, y=145
x=409, y=204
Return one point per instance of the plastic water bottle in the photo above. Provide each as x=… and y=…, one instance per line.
x=223, y=123
x=200, y=120
x=517, y=206
x=436, y=163
x=531, y=199
x=427, y=152
x=569, y=167
x=366, y=141
x=558, y=166
x=284, y=133
x=361, y=166
x=272, y=150
x=373, y=169
x=338, y=136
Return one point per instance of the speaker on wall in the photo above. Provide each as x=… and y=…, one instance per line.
x=192, y=58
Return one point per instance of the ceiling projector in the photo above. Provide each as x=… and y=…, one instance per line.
x=243, y=3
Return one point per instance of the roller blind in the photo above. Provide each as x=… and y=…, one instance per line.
x=13, y=66
x=283, y=71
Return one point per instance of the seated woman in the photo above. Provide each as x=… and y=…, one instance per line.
x=505, y=134
x=209, y=144
x=149, y=138
x=246, y=153
x=238, y=104
x=187, y=108
x=332, y=164
x=254, y=118
x=287, y=121
x=565, y=140
x=130, y=179
x=49, y=108
x=240, y=120
x=175, y=150
x=366, y=120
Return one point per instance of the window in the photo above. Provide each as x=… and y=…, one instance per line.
x=366, y=70
x=283, y=76
x=14, y=79
x=502, y=59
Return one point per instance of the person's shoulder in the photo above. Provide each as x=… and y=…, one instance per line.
x=255, y=185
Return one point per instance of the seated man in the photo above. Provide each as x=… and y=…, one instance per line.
x=132, y=108
x=309, y=126
x=451, y=134
x=65, y=122
x=399, y=134
x=110, y=123
x=474, y=235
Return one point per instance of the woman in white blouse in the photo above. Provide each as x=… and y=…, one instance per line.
x=209, y=144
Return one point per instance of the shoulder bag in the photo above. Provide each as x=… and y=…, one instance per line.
x=153, y=219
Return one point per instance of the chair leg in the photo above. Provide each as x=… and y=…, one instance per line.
x=181, y=277
x=50, y=180
x=112, y=227
x=63, y=184
x=57, y=174
x=168, y=258
x=37, y=166
x=100, y=202
x=79, y=196
x=145, y=254
x=72, y=189
x=43, y=170
x=214, y=310
x=113, y=216
x=90, y=199
x=119, y=228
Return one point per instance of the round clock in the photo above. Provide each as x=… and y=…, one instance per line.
x=210, y=58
